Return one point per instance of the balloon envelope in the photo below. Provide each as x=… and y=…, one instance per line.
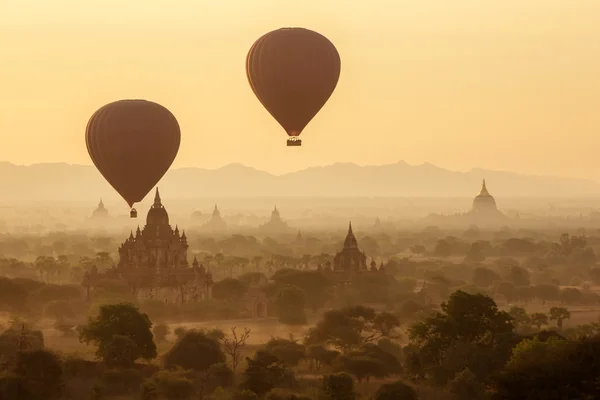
x=293, y=72
x=133, y=143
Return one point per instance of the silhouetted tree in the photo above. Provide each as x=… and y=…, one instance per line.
x=120, y=320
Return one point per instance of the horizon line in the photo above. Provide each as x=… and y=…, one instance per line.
x=349, y=163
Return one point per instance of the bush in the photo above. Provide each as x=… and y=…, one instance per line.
x=194, y=351
x=339, y=387
x=118, y=382
x=245, y=395
x=172, y=385
x=396, y=391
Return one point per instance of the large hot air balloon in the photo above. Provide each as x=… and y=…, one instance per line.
x=293, y=72
x=132, y=143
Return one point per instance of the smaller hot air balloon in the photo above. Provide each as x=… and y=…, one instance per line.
x=133, y=143
x=293, y=72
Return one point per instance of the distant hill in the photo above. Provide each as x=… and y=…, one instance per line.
x=64, y=182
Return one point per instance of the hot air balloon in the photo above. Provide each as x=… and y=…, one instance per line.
x=293, y=72
x=132, y=143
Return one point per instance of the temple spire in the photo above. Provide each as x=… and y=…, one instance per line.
x=350, y=241
x=157, y=201
x=484, y=191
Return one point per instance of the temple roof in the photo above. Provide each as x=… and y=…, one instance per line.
x=100, y=211
x=216, y=213
x=157, y=215
x=350, y=242
x=275, y=213
x=484, y=191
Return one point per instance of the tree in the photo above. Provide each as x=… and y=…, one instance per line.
x=546, y=292
x=41, y=374
x=12, y=295
x=484, y=277
x=289, y=351
x=228, y=289
x=370, y=361
x=519, y=276
x=217, y=376
x=559, y=314
x=339, y=387
x=538, y=319
x=289, y=304
x=551, y=369
x=508, y=290
x=352, y=327
x=121, y=319
x=120, y=351
x=475, y=253
x=175, y=385
x=315, y=284
x=471, y=325
x=264, y=372
x=233, y=346
x=320, y=355
x=194, y=351
x=519, y=316
x=466, y=386
x=396, y=391
x=363, y=367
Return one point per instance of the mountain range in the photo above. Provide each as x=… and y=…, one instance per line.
x=67, y=182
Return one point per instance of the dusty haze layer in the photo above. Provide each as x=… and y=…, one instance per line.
x=63, y=183
x=502, y=85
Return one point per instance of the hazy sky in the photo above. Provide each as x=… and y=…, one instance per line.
x=510, y=84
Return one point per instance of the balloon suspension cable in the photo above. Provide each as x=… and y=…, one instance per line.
x=133, y=213
x=294, y=141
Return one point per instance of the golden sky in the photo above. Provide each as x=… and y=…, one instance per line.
x=511, y=84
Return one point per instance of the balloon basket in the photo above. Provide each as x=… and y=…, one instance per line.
x=133, y=213
x=294, y=142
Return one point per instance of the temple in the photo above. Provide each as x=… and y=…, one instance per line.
x=484, y=206
x=350, y=259
x=154, y=263
x=483, y=212
x=350, y=263
x=100, y=211
x=216, y=223
x=275, y=224
x=484, y=202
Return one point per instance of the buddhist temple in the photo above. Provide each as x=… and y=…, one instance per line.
x=100, y=212
x=483, y=213
x=275, y=224
x=350, y=259
x=484, y=202
x=216, y=223
x=153, y=262
x=484, y=208
x=350, y=263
